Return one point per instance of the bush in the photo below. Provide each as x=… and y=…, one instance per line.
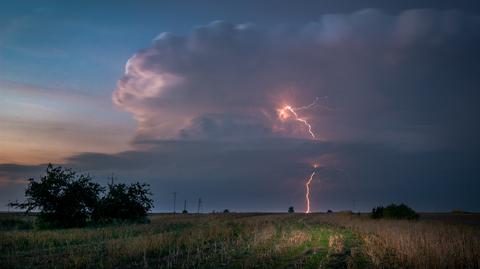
x=291, y=210
x=124, y=202
x=66, y=200
x=394, y=211
x=15, y=223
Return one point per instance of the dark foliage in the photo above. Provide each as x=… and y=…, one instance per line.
x=14, y=223
x=377, y=212
x=124, y=202
x=291, y=210
x=394, y=211
x=66, y=199
x=184, y=211
x=329, y=211
x=226, y=211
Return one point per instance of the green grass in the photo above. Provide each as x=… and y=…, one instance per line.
x=16, y=221
x=181, y=241
x=246, y=241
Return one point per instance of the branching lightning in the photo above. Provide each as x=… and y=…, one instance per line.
x=289, y=112
x=316, y=103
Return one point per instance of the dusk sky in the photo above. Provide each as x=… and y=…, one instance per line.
x=237, y=101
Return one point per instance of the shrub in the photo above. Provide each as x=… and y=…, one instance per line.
x=377, y=212
x=291, y=210
x=66, y=200
x=394, y=211
x=13, y=223
x=124, y=202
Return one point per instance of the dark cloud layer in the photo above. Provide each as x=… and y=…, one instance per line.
x=399, y=123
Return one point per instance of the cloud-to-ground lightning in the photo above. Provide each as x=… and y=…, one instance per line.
x=288, y=112
x=307, y=194
x=307, y=187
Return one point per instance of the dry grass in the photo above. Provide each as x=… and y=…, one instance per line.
x=182, y=241
x=412, y=244
x=248, y=241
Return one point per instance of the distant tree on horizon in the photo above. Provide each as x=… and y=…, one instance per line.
x=291, y=210
x=394, y=211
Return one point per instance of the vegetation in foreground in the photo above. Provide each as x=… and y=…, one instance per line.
x=390, y=238
x=66, y=199
x=248, y=241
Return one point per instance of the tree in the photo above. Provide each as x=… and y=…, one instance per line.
x=377, y=212
x=64, y=198
x=226, y=211
x=394, y=211
x=291, y=210
x=124, y=202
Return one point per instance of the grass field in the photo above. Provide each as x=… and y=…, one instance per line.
x=244, y=241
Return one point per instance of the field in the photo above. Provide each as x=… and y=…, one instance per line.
x=339, y=240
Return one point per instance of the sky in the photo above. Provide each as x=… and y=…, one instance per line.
x=239, y=102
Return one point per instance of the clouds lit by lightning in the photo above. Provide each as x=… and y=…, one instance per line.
x=288, y=112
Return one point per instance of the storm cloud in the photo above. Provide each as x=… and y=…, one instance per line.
x=404, y=79
x=396, y=118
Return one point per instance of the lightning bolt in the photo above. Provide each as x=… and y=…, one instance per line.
x=316, y=103
x=287, y=112
x=307, y=194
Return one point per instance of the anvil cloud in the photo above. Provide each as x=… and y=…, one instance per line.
x=397, y=79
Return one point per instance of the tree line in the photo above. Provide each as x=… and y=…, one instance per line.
x=66, y=199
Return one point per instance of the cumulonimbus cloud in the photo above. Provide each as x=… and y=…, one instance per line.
x=376, y=69
x=402, y=102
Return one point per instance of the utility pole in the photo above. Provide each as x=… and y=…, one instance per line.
x=174, y=201
x=199, y=205
x=185, y=206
